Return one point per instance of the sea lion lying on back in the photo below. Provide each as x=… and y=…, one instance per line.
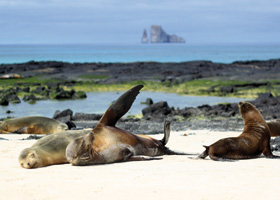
x=32, y=125
x=274, y=127
x=49, y=150
x=107, y=143
x=254, y=140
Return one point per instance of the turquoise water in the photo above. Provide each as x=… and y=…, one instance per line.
x=139, y=52
x=98, y=102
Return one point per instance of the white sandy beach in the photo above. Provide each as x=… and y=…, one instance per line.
x=173, y=177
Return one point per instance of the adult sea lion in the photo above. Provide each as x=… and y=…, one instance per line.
x=254, y=140
x=32, y=125
x=274, y=127
x=107, y=143
x=49, y=150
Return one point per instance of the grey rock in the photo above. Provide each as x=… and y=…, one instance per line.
x=158, y=35
x=86, y=117
x=145, y=37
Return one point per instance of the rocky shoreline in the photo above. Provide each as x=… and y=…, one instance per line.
x=171, y=72
x=217, y=117
x=221, y=117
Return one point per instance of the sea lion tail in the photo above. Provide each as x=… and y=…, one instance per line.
x=205, y=153
x=166, y=132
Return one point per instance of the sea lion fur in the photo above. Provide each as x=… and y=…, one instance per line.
x=253, y=141
x=32, y=125
x=49, y=150
x=107, y=143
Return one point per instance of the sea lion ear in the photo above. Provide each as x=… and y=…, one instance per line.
x=120, y=106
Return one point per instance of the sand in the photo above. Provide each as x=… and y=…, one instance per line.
x=173, y=177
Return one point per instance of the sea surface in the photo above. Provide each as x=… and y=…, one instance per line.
x=136, y=52
x=99, y=102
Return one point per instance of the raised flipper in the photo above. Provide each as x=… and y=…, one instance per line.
x=166, y=132
x=165, y=139
x=120, y=106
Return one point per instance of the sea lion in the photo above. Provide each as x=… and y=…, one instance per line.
x=254, y=140
x=49, y=150
x=274, y=127
x=32, y=125
x=11, y=76
x=107, y=143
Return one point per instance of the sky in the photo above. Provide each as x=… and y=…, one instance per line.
x=123, y=21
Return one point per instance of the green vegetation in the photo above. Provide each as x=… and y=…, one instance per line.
x=28, y=81
x=195, y=87
x=201, y=87
x=90, y=76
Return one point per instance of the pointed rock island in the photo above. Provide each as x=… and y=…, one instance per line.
x=158, y=35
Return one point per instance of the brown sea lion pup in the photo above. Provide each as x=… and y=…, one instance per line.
x=107, y=143
x=49, y=150
x=274, y=127
x=253, y=141
x=32, y=125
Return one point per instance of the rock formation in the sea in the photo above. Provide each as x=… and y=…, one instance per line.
x=158, y=35
x=145, y=37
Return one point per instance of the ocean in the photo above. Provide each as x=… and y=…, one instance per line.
x=137, y=52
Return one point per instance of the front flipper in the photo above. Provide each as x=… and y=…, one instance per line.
x=268, y=153
x=120, y=106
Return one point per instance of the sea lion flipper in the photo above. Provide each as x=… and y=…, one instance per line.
x=142, y=158
x=120, y=106
x=268, y=153
x=205, y=153
x=166, y=132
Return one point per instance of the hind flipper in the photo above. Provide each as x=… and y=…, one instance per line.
x=142, y=158
x=120, y=106
x=205, y=153
x=166, y=132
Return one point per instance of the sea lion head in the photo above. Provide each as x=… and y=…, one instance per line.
x=28, y=158
x=247, y=110
x=80, y=151
x=4, y=127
